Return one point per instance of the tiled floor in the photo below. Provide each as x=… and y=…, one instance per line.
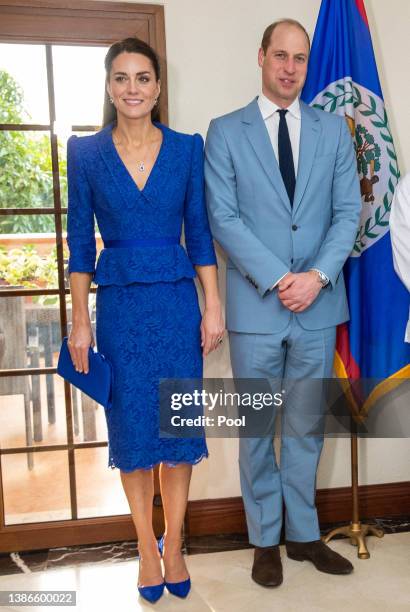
x=114, y=552
x=222, y=583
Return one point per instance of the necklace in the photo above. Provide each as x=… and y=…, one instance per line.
x=139, y=164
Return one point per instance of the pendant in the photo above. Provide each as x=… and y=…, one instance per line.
x=141, y=166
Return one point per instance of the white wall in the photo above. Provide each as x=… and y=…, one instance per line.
x=212, y=69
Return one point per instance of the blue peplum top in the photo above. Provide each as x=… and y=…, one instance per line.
x=140, y=228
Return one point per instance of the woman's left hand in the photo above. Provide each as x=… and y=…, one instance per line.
x=212, y=329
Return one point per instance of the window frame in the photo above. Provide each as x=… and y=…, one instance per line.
x=47, y=22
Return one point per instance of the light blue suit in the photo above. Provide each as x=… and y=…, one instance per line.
x=264, y=237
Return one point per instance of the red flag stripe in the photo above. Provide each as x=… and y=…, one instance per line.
x=343, y=348
x=362, y=11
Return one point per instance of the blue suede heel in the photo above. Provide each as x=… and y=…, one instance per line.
x=152, y=593
x=179, y=589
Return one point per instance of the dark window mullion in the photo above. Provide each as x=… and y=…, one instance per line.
x=28, y=291
x=30, y=211
x=85, y=128
x=27, y=372
x=24, y=127
x=60, y=268
x=51, y=447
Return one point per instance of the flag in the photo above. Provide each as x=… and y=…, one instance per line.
x=343, y=79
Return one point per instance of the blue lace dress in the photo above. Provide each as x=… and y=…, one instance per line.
x=148, y=317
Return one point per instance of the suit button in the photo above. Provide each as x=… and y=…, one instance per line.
x=294, y=227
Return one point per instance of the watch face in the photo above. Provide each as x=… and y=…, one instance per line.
x=322, y=278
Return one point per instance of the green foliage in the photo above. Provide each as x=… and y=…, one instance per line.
x=26, y=267
x=26, y=179
x=11, y=103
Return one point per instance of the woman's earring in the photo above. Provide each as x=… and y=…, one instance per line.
x=111, y=100
x=155, y=101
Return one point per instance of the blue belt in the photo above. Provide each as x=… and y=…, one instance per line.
x=143, y=242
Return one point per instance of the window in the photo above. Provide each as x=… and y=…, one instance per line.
x=52, y=82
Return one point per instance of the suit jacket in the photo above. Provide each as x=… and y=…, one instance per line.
x=264, y=237
x=100, y=186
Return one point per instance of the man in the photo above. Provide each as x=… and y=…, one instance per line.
x=284, y=203
x=400, y=235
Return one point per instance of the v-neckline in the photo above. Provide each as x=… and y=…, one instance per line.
x=155, y=164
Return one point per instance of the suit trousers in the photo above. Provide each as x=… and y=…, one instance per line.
x=294, y=353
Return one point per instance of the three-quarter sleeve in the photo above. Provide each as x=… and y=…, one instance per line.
x=80, y=215
x=198, y=237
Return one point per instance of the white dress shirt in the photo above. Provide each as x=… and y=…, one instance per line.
x=271, y=118
x=293, y=119
x=400, y=235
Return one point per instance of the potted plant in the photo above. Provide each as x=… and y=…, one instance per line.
x=24, y=267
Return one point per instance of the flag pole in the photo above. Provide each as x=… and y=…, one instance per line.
x=356, y=530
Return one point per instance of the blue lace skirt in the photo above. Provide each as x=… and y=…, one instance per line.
x=148, y=331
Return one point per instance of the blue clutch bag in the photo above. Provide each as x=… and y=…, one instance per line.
x=97, y=384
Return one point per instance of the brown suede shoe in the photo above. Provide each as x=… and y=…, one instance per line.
x=322, y=556
x=267, y=566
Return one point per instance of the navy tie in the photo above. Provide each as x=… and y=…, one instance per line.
x=286, y=165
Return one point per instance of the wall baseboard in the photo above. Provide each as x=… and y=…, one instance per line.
x=204, y=517
x=227, y=515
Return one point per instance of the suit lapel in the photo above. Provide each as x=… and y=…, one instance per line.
x=258, y=137
x=309, y=138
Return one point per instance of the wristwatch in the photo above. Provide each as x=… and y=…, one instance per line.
x=323, y=279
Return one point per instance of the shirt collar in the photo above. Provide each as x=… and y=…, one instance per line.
x=267, y=107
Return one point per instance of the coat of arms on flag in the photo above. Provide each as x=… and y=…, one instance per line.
x=376, y=157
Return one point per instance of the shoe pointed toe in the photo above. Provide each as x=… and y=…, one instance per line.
x=152, y=593
x=179, y=589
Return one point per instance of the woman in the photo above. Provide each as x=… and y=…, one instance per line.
x=142, y=180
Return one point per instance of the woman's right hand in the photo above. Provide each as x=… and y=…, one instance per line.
x=79, y=342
